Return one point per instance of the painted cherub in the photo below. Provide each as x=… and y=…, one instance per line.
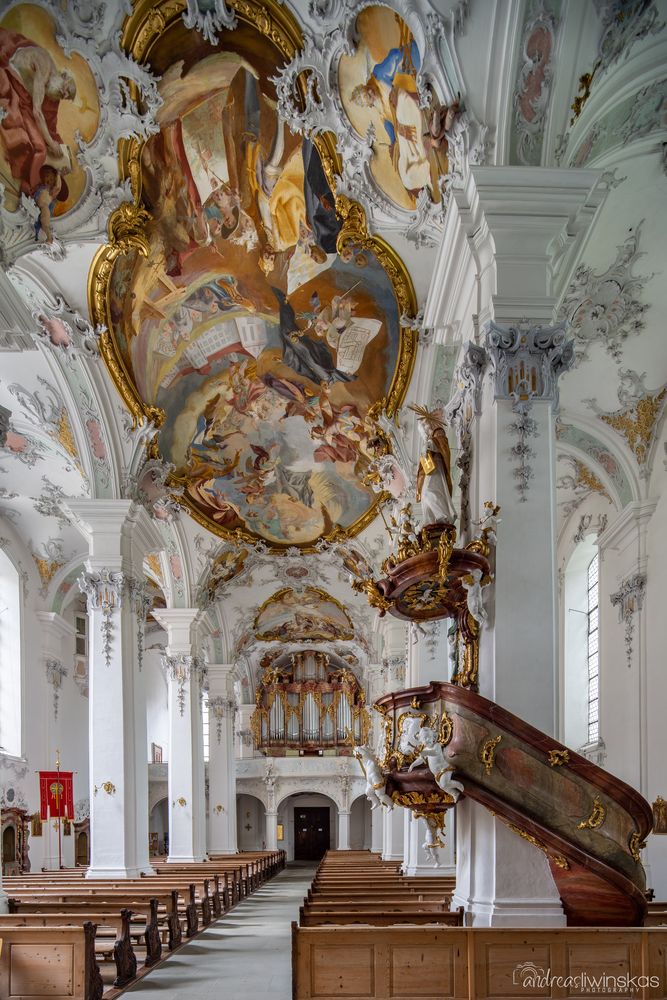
x=375, y=783
x=430, y=751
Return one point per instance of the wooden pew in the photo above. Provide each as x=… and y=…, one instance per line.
x=380, y=917
x=54, y=962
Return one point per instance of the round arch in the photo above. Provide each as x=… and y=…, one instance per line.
x=250, y=822
x=309, y=821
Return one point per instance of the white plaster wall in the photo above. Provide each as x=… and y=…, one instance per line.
x=250, y=813
x=360, y=824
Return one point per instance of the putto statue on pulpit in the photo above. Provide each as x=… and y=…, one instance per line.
x=434, y=478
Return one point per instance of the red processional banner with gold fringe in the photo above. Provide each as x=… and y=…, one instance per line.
x=56, y=794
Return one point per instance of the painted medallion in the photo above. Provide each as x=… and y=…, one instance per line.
x=46, y=100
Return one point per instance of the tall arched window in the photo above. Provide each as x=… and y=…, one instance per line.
x=10, y=657
x=593, y=652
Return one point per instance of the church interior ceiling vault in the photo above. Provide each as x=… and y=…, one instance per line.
x=215, y=250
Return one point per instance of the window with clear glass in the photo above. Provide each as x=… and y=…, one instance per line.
x=204, y=719
x=593, y=653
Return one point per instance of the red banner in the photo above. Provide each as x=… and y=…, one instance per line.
x=56, y=794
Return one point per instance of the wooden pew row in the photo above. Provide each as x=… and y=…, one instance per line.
x=453, y=963
x=54, y=962
x=380, y=917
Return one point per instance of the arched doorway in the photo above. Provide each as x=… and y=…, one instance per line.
x=82, y=856
x=250, y=823
x=158, y=828
x=309, y=823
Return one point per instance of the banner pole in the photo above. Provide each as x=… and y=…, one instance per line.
x=58, y=810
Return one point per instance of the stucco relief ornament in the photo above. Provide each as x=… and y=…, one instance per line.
x=142, y=604
x=66, y=331
x=55, y=672
x=629, y=599
x=104, y=591
x=209, y=17
x=148, y=487
x=605, y=308
x=638, y=417
x=220, y=708
x=179, y=668
x=5, y=414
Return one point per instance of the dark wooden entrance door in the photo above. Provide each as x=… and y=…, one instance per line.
x=311, y=832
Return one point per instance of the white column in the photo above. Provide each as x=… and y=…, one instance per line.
x=343, y=830
x=4, y=904
x=271, y=831
x=392, y=834
x=244, y=742
x=187, y=806
x=376, y=830
x=221, y=769
x=517, y=231
x=119, y=534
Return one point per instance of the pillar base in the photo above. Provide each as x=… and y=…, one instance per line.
x=518, y=912
x=430, y=870
x=393, y=856
x=114, y=873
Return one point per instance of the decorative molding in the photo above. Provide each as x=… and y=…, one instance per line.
x=629, y=600
x=55, y=671
x=104, y=592
x=533, y=85
x=142, y=603
x=637, y=419
x=5, y=414
x=179, y=669
x=209, y=17
x=49, y=413
x=586, y=527
x=604, y=308
x=459, y=412
x=48, y=561
x=220, y=708
x=65, y=330
x=48, y=503
x=148, y=487
x=623, y=24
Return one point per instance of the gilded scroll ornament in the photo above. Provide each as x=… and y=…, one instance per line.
x=559, y=757
x=596, y=818
x=557, y=859
x=635, y=845
x=487, y=753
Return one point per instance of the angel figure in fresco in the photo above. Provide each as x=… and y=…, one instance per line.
x=31, y=89
x=430, y=751
x=302, y=353
x=391, y=89
x=434, y=478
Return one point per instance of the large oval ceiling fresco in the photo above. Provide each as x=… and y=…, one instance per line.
x=244, y=313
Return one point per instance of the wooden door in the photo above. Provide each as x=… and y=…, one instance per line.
x=311, y=832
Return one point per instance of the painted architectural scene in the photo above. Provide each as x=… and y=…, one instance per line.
x=308, y=615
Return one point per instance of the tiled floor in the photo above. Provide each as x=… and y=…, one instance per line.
x=246, y=955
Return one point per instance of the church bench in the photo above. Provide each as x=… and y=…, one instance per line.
x=461, y=963
x=54, y=962
x=113, y=937
x=392, y=905
x=168, y=917
x=380, y=917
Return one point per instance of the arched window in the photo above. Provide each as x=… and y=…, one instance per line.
x=581, y=652
x=593, y=652
x=10, y=657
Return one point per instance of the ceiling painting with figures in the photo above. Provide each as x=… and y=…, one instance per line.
x=263, y=335
x=307, y=615
x=49, y=104
x=378, y=87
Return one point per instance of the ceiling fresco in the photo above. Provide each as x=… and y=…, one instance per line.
x=256, y=329
x=379, y=91
x=310, y=615
x=38, y=139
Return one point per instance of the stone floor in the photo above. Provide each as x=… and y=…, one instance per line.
x=245, y=955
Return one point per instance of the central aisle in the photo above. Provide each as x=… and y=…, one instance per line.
x=248, y=952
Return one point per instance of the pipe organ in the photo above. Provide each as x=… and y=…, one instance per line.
x=309, y=701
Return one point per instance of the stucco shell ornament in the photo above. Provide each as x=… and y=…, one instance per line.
x=250, y=315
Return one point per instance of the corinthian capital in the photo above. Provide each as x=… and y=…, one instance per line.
x=103, y=589
x=527, y=360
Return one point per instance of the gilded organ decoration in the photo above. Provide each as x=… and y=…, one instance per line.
x=250, y=314
x=309, y=700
